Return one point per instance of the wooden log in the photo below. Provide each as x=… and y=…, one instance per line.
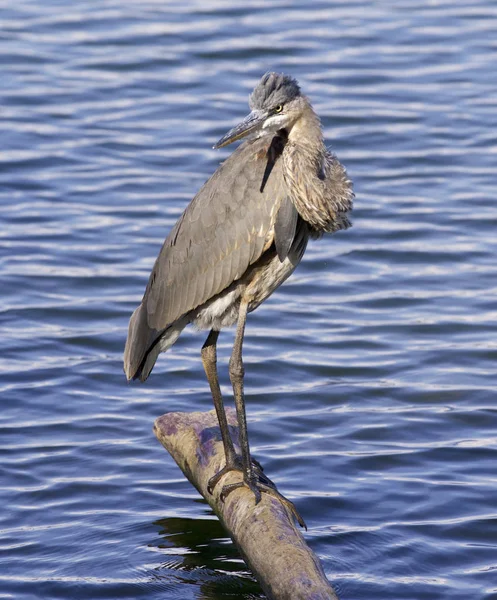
x=265, y=534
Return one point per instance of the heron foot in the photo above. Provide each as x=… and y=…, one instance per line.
x=257, y=482
x=233, y=464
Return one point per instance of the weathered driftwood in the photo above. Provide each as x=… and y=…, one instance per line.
x=265, y=534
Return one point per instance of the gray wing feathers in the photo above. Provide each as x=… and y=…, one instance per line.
x=224, y=229
x=285, y=228
x=140, y=337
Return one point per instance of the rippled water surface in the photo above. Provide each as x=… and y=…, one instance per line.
x=370, y=374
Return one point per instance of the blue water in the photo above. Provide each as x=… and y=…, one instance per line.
x=370, y=374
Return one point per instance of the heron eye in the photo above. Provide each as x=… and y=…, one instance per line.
x=279, y=108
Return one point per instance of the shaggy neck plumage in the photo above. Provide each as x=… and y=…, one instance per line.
x=317, y=182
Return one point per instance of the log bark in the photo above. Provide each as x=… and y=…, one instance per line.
x=265, y=534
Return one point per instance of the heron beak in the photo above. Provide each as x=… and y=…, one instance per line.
x=251, y=122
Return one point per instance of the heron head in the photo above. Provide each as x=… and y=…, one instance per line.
x=276, y=103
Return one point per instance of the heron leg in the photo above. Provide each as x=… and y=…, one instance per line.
x=253, y=476
x=237, y=373
x=209, y=360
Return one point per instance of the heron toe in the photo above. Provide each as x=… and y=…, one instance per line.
x=235, y=464
x=258, y=483
x=250, y=483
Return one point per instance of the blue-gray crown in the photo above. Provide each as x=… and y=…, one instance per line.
x=273, y=89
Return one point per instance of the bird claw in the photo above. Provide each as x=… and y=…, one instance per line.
x=234, y=464
x=252, y=486
x=213, y=481
x=290, y=506
x=258, y=482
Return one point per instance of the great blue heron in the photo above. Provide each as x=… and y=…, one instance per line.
x=240, y=237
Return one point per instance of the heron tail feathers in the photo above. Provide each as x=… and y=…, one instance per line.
x=144, y=344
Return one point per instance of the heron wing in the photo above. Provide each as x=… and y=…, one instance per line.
x=285, y=228
x=225, y=228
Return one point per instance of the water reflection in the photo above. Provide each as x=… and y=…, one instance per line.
x=200, y=552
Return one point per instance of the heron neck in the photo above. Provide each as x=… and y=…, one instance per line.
x=307, y=133
x=315, y=181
